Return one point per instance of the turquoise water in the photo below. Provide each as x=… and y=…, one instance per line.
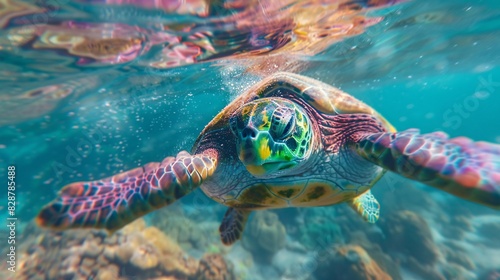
x=77, y=106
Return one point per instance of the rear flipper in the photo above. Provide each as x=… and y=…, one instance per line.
x=467, y=169
x=113, y=202
x=233, y=224
x=367, y=206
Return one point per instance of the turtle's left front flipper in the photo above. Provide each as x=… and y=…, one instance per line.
x=460, y=166
x=113, y=202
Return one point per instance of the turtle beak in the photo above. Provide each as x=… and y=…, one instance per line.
x=254, y=151
x=253, y=146
x=250, y=155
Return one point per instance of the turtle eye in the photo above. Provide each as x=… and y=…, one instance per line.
x=282, y=124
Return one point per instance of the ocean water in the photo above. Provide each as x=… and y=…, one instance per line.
x=89, y=89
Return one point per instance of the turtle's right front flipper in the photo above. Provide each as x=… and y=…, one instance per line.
x=460, y=166
x=113, y=202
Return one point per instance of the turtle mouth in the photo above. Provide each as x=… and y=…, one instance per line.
x=248, y=157
x=277, y=166
x=261, y=159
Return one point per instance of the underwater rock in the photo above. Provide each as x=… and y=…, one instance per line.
x=385, y=262
x=242, y=261
x=408, y=233
x=162, y=242
x=214, y=267
x=350, y=262
x=144, y=258
x=289, y=264
x=354, y=231
x=318, y=232
x=111, y=272
x=135, y=252
x=264, y=235
x=167, y=246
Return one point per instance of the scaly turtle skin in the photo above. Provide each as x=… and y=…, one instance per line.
x=289, y=141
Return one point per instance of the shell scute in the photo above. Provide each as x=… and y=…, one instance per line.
x=314, y=192
x=260, y=195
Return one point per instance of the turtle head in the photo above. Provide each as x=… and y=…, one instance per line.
x=274, y=135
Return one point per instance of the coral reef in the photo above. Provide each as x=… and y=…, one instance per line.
x=134, y=252
x=350, y=262
x=213, y=267
x=264, y=235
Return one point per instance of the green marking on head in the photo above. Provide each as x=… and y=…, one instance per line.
x=273, y=134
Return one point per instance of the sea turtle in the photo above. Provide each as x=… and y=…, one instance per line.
x=288, y=141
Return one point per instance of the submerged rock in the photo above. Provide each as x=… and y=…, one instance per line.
x=214, y=267
x=409, y=237
x=408, y=233
x=319, y=231
x=265, y=235
x=350, y=262
x=145, y=258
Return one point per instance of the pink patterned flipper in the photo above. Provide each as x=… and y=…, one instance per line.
x=460, y=166
x=113, y=202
